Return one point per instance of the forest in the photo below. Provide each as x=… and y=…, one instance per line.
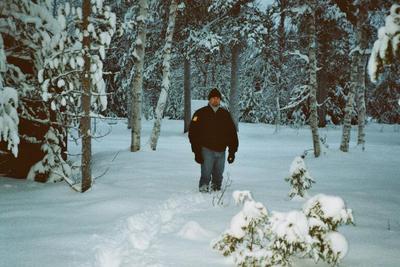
x=66, y=63
x=98, y=97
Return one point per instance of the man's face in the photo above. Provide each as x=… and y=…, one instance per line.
x=214, y=101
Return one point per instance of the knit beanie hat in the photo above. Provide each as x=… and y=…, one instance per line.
x=214, y=93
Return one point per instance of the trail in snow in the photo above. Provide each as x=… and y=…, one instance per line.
x=135, y=241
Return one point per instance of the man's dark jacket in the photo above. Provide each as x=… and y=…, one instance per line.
x=213, y=130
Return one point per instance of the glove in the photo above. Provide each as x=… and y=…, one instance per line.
x=231, y=158
x=198, y=157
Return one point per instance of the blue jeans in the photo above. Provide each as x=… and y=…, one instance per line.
x=212, y=168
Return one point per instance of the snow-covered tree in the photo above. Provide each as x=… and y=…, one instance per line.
x=246, y=237
x=312, y=56
x=344, y=146
x=386, y=49
x=325, y=214
x=299, y=178
x=255, y=238
x=85, y=122
x=26, y=27
x=9, y=118
x=53, y=167
x=187, y=91
x=362, y=40
x=242, y=26
x=138, y=56
x=356, y=92
x=56, y=62
x=289, y=235
x=8, y=108
x=74, y=59
x=166, y=75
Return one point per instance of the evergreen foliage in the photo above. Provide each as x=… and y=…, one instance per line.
x=256, y=238
x=386, y=49
x=299, y=178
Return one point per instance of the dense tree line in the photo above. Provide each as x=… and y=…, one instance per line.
x=289, y=63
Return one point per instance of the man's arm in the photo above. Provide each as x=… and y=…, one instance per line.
x=194, y=137
x=194, y=133
x=233, y=138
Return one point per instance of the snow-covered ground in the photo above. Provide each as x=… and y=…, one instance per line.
x=145, y=209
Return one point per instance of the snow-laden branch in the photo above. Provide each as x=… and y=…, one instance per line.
x=300, y=55
x=304, y=98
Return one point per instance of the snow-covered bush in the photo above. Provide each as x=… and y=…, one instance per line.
x=246, y=237
x=61, y=77
x=325, y=214
x=8, y=108
x=52, y=168
x=299, y=178
x=289, y=235
x=256, y=239
x=9, y=118
x=330, y=210
x=386, y=49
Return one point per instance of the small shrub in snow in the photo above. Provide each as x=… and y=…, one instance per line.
x=52, y=168
x=330, y=210
x=256, y=239
x=299, y=178
x=325, y=214
x=289, y=235
x=246, y=237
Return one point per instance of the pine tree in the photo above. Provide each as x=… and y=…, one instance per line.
x=245, y=240
x=386, y=52
x=239, y=24
x=256, y=238
x=299, y=178
x=325, y=214
x=386, y=49
x=48, y=80
x=8, y=108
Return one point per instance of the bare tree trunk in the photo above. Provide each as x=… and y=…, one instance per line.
x=282, y=46
x=278, y=113
x=86, y=95
x=166, y=71
x=344, y=146
x=322, y=95
x=234, y=93
x=138, y=54
x=129, y=109
x=281, y=30
x=187, y=95
x=361, y=107
x=313, y=120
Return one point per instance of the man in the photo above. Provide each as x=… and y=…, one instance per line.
x=210, y=132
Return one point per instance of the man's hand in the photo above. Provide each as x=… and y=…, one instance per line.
x=198, y=157
x=231, y=158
